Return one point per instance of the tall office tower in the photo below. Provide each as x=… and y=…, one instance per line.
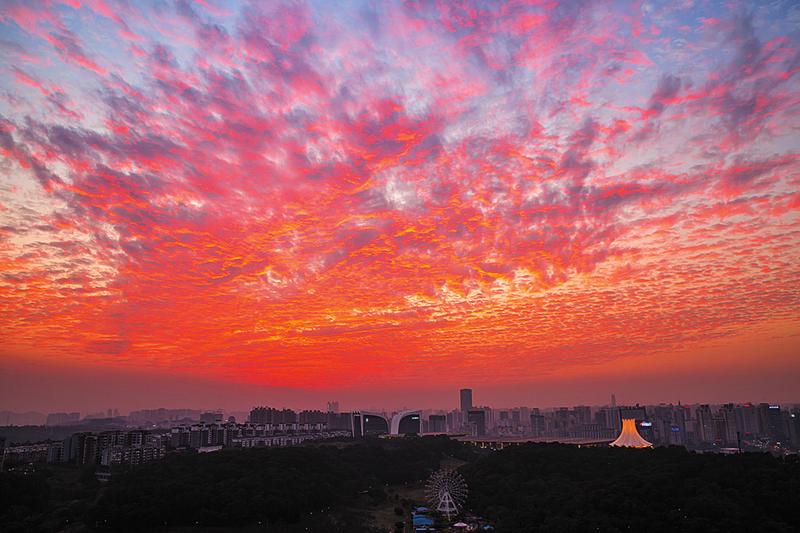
x=466, y=400
x=613, y=400
x=333, y=407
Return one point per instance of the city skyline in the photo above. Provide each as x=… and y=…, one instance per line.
x=226, y=203
x=723, y=428
x=445, y=401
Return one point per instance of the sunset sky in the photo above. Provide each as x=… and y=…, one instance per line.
x=222, y=204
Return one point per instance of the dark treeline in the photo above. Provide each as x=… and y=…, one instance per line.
x=544, y=488
x=327, y=488
x=313, y=487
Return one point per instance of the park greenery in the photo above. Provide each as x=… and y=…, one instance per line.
x=559, y=488
x=331, y=486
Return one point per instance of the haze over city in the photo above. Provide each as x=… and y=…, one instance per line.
x=399, y=266
x=225, y=205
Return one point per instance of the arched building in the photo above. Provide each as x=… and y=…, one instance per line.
x=369, y=423
x=407, y=423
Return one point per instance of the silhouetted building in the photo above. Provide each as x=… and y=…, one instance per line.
x=211, y=418
x=269, y=415
x=455, y=420
x=131, y=455
x=538, y=424
x=637, y=413
x=466, y=400
x=705, y=424
x=583, y=414
x=747, y=420
x=772, y=422
x=357, y=426
x=729, y=428
x=609, y=418
x=406, y=423
x=338, y=421
x=437, y=424
x=374, y=424
x=63, y=419
x=476, y=418
x=314, y=417
x=155, y=416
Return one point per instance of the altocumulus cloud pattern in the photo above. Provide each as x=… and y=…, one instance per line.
x=308, y=193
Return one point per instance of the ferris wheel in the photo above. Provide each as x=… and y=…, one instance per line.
x=447, y=492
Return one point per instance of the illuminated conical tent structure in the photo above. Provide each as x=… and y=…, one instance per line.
x=629, y=437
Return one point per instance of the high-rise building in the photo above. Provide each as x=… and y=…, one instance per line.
x=609, y=418
x=466, y=400
x=456, y=420
x=333, y=407
x=636, y=412
x=583, y=414
x=312, y=417
x=771, y=421
x=477, y=421
x=728, y=414
x=437, y=423
x=339, y=421
x=705, y=424
x=538, y=424
x=270, y=415
x=747, y=420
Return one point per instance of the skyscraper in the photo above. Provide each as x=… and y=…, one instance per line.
x=466, y=400
x=477, y=421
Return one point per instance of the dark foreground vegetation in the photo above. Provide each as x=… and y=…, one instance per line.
x=330, y=487
x=548, y=487
x=304, y=488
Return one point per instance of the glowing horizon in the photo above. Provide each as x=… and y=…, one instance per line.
x=427, y=194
